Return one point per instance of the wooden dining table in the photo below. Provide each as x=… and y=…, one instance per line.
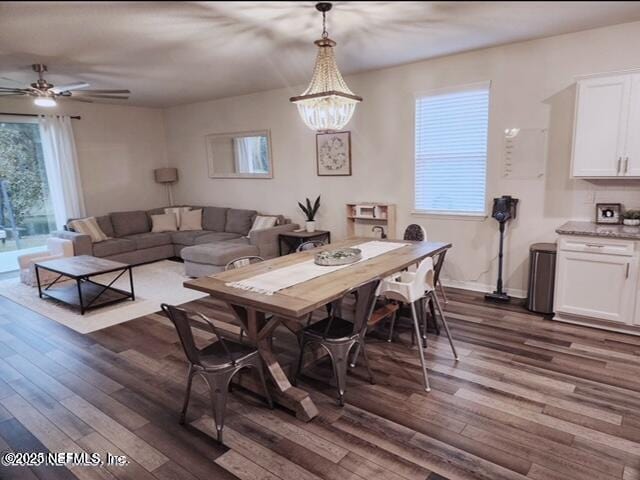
x=260, y=314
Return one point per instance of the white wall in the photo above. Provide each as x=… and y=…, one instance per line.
x=118, y=148
x=533, y=86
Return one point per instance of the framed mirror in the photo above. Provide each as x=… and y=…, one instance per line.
x=240, y=154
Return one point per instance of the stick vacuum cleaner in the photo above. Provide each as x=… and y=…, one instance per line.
x=504, y=209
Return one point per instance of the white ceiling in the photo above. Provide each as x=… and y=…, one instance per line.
x=169, y=53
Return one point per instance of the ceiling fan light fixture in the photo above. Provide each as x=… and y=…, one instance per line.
x=327, y=104
x=45, y=102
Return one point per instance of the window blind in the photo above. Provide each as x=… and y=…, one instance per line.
x=451, y=151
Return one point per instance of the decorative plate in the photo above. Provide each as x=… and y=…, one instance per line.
x=342, y=256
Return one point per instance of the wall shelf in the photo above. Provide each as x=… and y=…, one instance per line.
x=362, y=216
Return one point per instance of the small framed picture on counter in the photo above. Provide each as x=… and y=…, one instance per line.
x=608, y=213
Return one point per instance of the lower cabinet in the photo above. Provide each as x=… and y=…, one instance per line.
x=597, y=280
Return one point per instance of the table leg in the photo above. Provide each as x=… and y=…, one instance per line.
x=259, y=331
x=79, y=285
x=133, y=295
x=38, y=280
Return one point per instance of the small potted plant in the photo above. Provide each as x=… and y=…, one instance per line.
x=631, y=218
x=310, y=213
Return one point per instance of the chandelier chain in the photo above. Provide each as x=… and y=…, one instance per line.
x=325, y=34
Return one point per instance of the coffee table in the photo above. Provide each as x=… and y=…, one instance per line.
x=85, y=293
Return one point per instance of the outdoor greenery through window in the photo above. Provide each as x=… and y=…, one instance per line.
x=26, y=215
x=451, y=151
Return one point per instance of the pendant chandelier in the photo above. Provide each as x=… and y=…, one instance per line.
x=327, y=104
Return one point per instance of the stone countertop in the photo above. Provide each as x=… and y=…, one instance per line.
x=591, y=229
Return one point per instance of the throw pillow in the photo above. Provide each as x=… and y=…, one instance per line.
x=191, y=220
x=262, y=221
x=89, y=226
x=166, y=222
x=178, y=212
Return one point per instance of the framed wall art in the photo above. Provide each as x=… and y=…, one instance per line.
x=608, y=213
x=333, y=154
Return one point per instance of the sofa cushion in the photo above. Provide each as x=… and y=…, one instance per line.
x=130, y=223
x=113, y=246
x=188, y=237
x=217, y=253
x=104, y=222
x=191, y=220
x=148, y=240
x=239, y=221
x=214, y=218
x=165, y=222
x=216, y=237
x=89, y=226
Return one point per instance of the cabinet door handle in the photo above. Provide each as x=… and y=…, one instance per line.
x=619, y=165
x=594, y=245
x=626, y=164
x=626, y=275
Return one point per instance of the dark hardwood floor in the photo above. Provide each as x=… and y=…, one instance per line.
x=530, y=398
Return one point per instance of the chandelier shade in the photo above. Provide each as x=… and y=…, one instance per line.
x=327, y=104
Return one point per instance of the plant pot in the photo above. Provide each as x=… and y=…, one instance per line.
x=631, y=222
x=310, y=226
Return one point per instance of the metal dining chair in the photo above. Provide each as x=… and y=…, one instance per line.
x=243, y=262
x=310, y=245
x=216, y=363
x=337, y=336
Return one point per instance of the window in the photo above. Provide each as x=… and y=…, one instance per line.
x=451, y=151
x=26, y=215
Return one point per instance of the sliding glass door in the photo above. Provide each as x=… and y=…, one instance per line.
x=26, y=214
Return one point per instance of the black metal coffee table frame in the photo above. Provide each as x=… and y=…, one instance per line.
x=100, y=294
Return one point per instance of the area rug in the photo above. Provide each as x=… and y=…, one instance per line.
x=155, y=283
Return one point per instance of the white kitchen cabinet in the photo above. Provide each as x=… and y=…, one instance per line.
x=606, y=139
x=631, y=160
x=596, y=279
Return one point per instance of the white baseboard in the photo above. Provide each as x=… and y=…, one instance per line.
x=482, y=287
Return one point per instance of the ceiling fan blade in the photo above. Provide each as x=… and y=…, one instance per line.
x=76, y=99
x=69, y=86
x=11, y=94
x=10, y=89
x=11, y=80
x=115, y=97
x=83, y=92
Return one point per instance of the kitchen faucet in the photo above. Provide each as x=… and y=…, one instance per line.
x=382, y=234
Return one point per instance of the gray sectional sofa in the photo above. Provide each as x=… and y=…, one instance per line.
x=131, y=240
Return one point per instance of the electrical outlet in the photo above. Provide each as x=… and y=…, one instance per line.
x=590, y=197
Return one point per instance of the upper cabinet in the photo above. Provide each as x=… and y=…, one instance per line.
x=606, y=139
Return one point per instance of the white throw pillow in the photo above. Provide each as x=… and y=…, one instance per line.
x=89, y=226
x=165, y=222
x=191, y=220
x=178, y=212
x=262, y=221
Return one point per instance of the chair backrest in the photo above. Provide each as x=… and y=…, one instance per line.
x=180, y=319
x=243, y=262
x=310, y=245
x=424, y=273
x=365, y=303
x=415, y=233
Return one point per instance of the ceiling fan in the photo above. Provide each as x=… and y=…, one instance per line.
x=46, y=94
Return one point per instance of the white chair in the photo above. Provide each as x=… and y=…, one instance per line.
x=418, y=233
x=411, y=287
x=56, y=248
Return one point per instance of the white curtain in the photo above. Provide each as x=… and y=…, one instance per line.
x=61, y=165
